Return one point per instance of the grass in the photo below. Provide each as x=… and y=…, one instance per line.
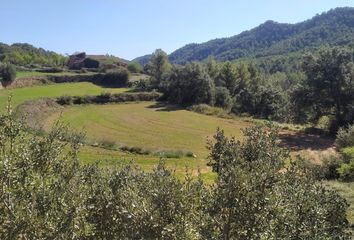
x=137, y=76
x=111, y=159
x=21, y=95
x=148, y=126
x=26, y=74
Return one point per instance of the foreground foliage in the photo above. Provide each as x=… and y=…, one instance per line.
x=46, y=194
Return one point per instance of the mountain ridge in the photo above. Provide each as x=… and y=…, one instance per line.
x=332, y=28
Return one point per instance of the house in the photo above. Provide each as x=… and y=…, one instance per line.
x=81, y=60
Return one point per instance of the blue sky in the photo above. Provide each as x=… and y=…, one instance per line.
x=131, y=28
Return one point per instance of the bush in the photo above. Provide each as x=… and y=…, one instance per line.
x=170, y=154
x=107, y=97
x=330, y=166
x=208, y=110
x=135, y=67
x=348, y=154
x=7, y=73
x=135, y=150
x=346, y=171
x=142, y=85
x=108, y=144
x=117, y=78
x=65, y=100
x=78, y=100
x=325, y=123
x=50, y=70
x=345, y=137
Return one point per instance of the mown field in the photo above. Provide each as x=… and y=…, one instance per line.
x=147, y=125
x=21, y=95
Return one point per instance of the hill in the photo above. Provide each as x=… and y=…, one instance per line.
x=24, y=54
x=332, y=28
x=143, y=60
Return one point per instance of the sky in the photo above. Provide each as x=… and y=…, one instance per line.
x=132, y=28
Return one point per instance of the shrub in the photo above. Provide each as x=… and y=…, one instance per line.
x=106, y=143
x=142, y=85
x=50, y=70
x=346, y=171
x=345, y=137
x=7, y=73
x=208, y=110
x=169, y=154
x=330, y=166
x=81, y=100
x=117, y=78
x=107, y=97
x=190, y=154
x=65, y=100
x=135, y=67
x=135, y=150
x=348, y=154
x=325, y=123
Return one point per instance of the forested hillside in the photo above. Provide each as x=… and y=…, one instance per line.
x=23, y=54
x=334, y=28
x=275, y=42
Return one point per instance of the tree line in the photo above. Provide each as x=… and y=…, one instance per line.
x=324, y=88
x=22, y=54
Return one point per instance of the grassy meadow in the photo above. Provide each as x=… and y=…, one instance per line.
x=148, y=125
x=26, y=74
x=21, y=95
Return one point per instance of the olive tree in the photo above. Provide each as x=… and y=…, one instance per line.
x=256, y=196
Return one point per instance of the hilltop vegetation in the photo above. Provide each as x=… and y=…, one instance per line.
x=333, y=28
x=23, y=54
x=274, y=46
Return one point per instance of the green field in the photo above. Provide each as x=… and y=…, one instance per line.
x=26, y=74
x=21, y=95
x=112, y=159
x=147, y=125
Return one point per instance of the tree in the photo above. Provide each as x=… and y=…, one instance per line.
x=190, y=85
x=212, y=68
x=135, y=67
x=228, y=78
x=257, y=197
x=157, y=67
x=222, y=98
x=329, y=88
x=7, y=73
